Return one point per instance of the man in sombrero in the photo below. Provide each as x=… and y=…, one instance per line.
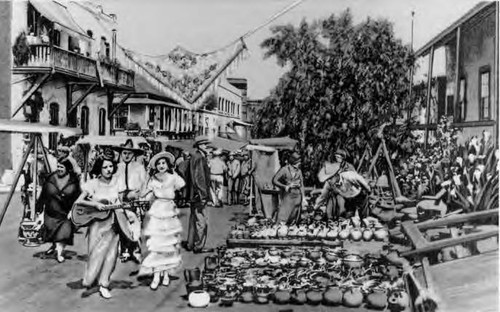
x=134, y=177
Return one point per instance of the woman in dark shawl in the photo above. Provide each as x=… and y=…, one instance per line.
x=59, y=192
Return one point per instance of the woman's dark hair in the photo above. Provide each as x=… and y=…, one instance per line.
x=97, y=167
x=69, y=167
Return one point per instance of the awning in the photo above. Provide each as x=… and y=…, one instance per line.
x=227, y=145
x=111, y=140
x=59, y=14
x=278, y=143
x=242, y=123
x=147, y=101
x=18, y=126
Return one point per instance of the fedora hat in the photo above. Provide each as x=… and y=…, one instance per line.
x=129, y=145
x=199, y=140
x=155, y=158
x=327, y=171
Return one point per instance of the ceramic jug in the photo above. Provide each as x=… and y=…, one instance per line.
x=191, y=275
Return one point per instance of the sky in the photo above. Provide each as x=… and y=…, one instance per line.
x=157, y=26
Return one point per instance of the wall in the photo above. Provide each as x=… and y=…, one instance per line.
x=5, y=83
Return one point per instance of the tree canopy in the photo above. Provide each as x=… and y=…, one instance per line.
x=343, y=82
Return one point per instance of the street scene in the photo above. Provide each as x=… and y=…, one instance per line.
x=280, y=155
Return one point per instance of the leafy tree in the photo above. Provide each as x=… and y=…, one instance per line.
x=343, y=82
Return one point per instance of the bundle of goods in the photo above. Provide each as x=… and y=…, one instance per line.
x=329, y=276
x=311, y=228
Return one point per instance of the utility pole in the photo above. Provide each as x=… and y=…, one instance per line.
x=409, y=107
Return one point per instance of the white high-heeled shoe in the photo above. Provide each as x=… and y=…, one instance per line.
x=155, y=283
x=166, y=280
x=105, y=293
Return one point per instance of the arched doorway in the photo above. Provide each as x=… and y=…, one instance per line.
x=84, y=120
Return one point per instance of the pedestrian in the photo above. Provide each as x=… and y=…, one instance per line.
x=245, y=177
x=217, y=170
x=133, y=175
x=161, y=233
x=233, y=179
x=59, y=193
x=65, y=152
x=182, y=168
x=103, y=235
x=199, y=194
x=289, y=179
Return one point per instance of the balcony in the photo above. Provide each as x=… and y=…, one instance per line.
x=45, y=59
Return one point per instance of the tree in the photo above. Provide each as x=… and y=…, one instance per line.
x=343, y=82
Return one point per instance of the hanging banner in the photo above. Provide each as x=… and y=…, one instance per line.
x=185, y=76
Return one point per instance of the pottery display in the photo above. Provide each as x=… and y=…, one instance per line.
x=314, y=297
x=356, y=234
x=381, y=234
x=282, y=297
x=199, y=299
x=353, y=261
x=377, y=300
x=367, y=235
x=333, y=296
x=352, y=298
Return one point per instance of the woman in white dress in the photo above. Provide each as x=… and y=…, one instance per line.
x=161, y=234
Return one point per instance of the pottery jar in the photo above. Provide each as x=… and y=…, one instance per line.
x=273, y=251
x=353, y=261
x=398, y=300
x=333, y=234
x=344, y=234
x=298, y=296
x=367, y=235
x=246, y=297
x=377, y=300
x=282, y=297
x=356, y=234
x=314, y=297
x=199, y=299
x=381, y=234
x=333, y=296
x=352, y=298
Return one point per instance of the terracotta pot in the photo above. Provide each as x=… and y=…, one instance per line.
x=193, y=286
x=199, y=299
x=344, y=234
x=214, y=295
x=247, y=297
x=287, y=253
x=352, y=298
x=333, y=296
x=377, y=300
x=333, y=234
x=211, y=263
x=314, y=297
x=353, y=261
x=398, y=300
x=314, y=255
x=356, y=234
x=367, y=235
x=191, y=275
x=274, y=251
x=299, y=297
x=381, y=234
x=282, y=297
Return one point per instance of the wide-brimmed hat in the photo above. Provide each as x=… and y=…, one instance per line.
x=294, y=158
x=129, y=145
x=217, y=152
x=341, y=152
x=155, y=158
x=327, y=171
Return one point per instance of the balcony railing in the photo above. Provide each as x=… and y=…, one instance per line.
x=44, y=57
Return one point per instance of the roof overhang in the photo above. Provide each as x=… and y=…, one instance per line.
x=18, y=126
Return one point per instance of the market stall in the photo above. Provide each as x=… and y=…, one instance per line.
x=29, y=231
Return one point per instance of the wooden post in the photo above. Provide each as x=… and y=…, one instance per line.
x=35, y=177
x=16, y=179
x=457, y=78
x=429, y=93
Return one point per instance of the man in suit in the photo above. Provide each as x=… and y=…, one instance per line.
x=233, y=179
x=198, y=185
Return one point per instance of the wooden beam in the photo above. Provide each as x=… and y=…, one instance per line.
x=34, y=87
x=80, y=100
x=429, y=93
x=457, y=219
x=122, y=101
x=413, y=233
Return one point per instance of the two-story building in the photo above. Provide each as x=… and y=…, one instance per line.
x=66, y=70
x=466, y=89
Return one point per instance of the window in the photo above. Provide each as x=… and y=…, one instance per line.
x=84, y=120
x=484, y=93
x=162, y=117
x=462, y=104
x=121, y=117
x=56, y=37
x=102, y=121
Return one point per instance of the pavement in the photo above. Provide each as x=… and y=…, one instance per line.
x=32, y=282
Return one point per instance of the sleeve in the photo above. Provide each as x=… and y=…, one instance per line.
x=324, y=194
x=278, y=177
x=178, y=182
x=199, y=180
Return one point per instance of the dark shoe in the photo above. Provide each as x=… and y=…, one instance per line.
x=203, y=250
x=184, y=245
x=50, y=251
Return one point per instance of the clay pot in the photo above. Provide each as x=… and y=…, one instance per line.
x=282, y=231
x=333, y=296
x=282, y=297
x=367, y=235
x=314, y=297
x=299, y=297
x=377, y=300
x=344, y=234
x=246, y=297
x=287, y=253
x=199, y=299
x=211, y=263
x=191, y=275
x=227, y=301
x=331, y=256
x=381, y=234
x=352, y=298
x=356, y=234
x=314, y=255
x=333, y=234
x=398, y=300
x=274, y=251
x=261, y=299
x=193, y=286
x=353, y=261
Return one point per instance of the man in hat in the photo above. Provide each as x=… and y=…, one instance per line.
x=133, y=175
x=233, y=179
x=182, y=167
x=246, y=173
x=289, y=179
x=198, y=185
x=217, y=170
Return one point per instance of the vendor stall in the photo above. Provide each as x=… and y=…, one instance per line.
x=29, y=232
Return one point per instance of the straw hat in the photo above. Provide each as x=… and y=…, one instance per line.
x=327, y=171
x=199, y=140
x=129, y=146
x=155, y=158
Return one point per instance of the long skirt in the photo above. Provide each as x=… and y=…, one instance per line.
x=290, y=207
x=57, y=230
x=103, y=241
x=161, y=238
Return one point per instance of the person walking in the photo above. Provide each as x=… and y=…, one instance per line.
x=289, y=179
x=245, y=177
x=217, y=170
x=103, y=235
x=233, y=179
x=59, y=193
x=161, y=234
x=199, y=194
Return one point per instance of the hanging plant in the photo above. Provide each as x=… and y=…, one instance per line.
x=21, y=50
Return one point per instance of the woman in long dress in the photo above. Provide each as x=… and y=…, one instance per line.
x=59, y=192
x=103, y=236
x=162, y=228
